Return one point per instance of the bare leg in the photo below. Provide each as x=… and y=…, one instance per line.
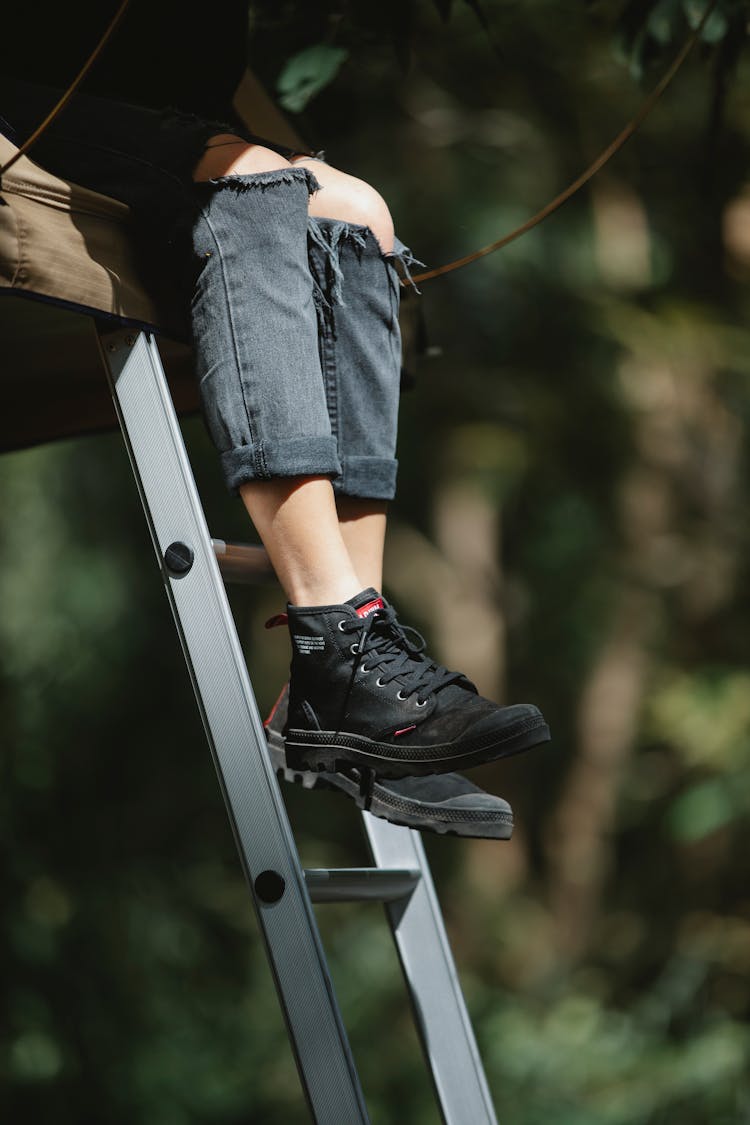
x=297, y=521
x=227, y=155
x=342, y=196
x=363, y=524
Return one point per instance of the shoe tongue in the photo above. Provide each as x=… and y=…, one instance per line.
x=366, y=603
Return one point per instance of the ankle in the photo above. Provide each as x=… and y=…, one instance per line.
x=327, y=591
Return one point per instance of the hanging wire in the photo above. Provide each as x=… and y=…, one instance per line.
x=589, y=173
x=60, y=105
x=603, y=158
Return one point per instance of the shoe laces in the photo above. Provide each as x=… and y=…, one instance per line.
x=397, y=652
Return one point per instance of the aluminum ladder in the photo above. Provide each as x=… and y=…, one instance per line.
x=191, y=564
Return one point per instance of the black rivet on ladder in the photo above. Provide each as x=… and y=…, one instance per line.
x=178, y=558
x=269, y=886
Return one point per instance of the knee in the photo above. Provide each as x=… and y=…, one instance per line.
x=227, y=155
x=341, y=196
x=372, y=211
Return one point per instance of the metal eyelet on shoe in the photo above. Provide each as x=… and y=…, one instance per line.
x=364, y=669
x=341, y=626
x=379, y=682
x=354, y=648
x=400, y=695
x=422, y=703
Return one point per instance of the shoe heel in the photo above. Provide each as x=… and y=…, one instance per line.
x=302, y=756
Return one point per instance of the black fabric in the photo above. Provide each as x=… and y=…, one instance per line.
x=439, y=803
x=367, y=676
x=163, y=53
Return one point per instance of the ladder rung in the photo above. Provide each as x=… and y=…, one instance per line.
x=242, y=563
x=360, y=884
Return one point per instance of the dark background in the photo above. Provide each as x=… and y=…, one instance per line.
x=570, y=529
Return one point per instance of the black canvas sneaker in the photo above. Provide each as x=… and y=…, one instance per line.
x=363, y=693
x=446, y=803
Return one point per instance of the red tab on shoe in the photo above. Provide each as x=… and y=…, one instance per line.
x=277, y=619
x=366, y=602
x=370, y=607
x=281, y=700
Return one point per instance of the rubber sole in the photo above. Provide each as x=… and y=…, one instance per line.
x=474, y=823
x=333, y=751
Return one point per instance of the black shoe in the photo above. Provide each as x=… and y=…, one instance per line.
x=446, y=803
x=362, y=693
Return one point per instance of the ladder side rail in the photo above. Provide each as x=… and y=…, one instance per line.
x=431, y=977
x=234, y=729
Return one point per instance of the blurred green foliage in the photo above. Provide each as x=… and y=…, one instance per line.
x=307, y=73
x=582, y=398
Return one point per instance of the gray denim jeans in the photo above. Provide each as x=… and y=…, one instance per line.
x=294, y=319
x=296, y=336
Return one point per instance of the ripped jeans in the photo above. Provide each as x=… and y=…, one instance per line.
x=293, y=319
x=300, y=358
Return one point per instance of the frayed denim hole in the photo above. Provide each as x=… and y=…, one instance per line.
x=402, y=259
x=329, y=235
x=358, y=234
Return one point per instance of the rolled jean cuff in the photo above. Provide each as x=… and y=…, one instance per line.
x=367, y=478
x=296, y=457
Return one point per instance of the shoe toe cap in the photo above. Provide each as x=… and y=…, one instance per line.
x=510, y=721
x=480, y=802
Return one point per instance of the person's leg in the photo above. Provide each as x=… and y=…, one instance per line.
x=295, y=513
x=353, y=256
x=363, y=526
x=361, y=690
x=297, y=520
x=321, y=553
